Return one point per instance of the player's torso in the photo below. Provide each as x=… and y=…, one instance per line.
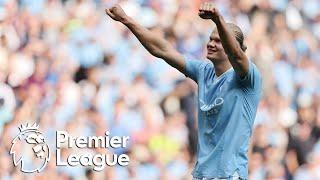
x=220, y=112
x=214, y=93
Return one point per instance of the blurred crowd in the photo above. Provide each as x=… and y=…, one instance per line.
x=67, y=66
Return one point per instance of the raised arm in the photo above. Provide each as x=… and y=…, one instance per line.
x=231, y=46
x=155, y=44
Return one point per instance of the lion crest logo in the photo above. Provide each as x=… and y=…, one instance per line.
x=29, y=149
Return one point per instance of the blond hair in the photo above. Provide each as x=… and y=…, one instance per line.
x=238, y=35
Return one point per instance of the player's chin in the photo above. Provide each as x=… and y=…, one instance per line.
x=210, y=56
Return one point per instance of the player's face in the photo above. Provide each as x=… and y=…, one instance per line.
x=215, y=51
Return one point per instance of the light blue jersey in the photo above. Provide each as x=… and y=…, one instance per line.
x=226, y=110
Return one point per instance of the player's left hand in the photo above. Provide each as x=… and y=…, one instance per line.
x=208, y=11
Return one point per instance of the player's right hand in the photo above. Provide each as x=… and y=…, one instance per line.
x=116, y=13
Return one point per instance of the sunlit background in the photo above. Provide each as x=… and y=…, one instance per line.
x=67, y=66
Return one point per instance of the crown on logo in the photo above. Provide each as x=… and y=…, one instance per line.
x=35, y=126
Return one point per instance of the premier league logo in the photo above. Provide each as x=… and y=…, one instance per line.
x=29, y=149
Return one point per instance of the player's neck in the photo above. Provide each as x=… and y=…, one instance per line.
x=221, y=67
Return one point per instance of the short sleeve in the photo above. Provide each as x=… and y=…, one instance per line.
x=252, y=81
x=192, y=68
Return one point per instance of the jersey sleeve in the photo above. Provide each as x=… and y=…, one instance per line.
x=252, y=82
x=193, y=67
